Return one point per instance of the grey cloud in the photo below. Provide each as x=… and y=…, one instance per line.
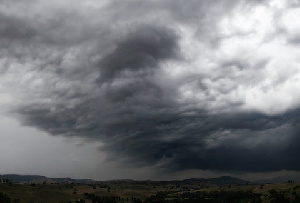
x=192, y=12
x=143, y=48
x=104, y=82
x=176, y=141
x=294, y=4
x=295, y=40
x=14, y=28
x=190, y=151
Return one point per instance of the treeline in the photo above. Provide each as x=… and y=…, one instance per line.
x=5, y=181
x=281, y=197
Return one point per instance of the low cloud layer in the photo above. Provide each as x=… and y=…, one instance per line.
x=201, y=85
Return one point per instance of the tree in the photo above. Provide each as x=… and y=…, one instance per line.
x=4, y=198
x=278, y=197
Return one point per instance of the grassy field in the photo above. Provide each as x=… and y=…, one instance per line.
x=288, y=189
x=65, y=192
x=38, y=193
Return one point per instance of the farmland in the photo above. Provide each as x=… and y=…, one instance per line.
x=148, y=191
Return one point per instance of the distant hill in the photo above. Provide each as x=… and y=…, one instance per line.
x=70, y=180
x=21, y=178
x=224, y=180
x=281, y=179
x=40, y=179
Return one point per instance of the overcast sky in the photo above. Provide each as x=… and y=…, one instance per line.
x=157, y=89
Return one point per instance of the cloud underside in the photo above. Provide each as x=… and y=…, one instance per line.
x=159, y=86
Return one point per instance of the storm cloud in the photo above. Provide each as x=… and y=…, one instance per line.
x=201, y=85
x=142, y=49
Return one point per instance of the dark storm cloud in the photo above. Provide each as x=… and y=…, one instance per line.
x=14, y=28
x=149, y=134
x=143, y=48
x=188, y=149
x=104, y=81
